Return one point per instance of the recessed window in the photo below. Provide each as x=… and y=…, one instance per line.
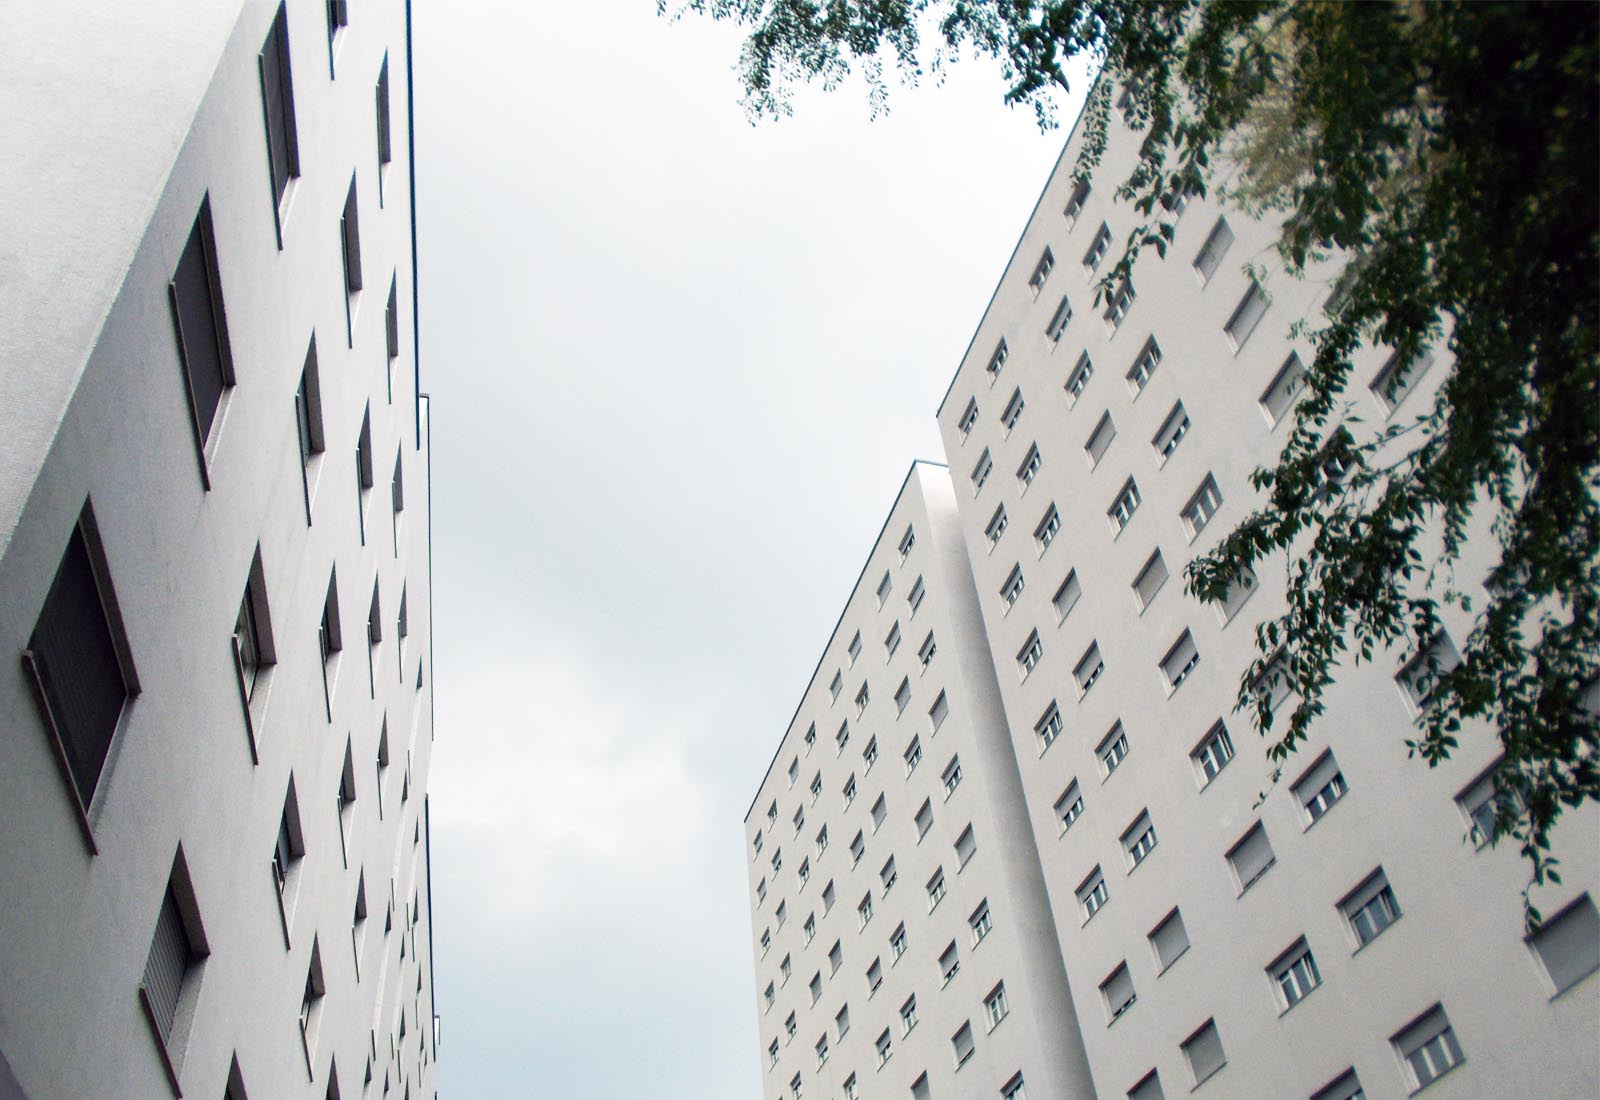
x=783, y=911
x=1347, y=1086
x=951, y=776
x=822, y=1051
x=1568, y=944
x=338, y=18
x=1099, y=440
x=1117, y=992
x=939, y=711
x=1180, y=662
x=80, y=664
x=350, y=240
x=1029, y=468
x=1066, y=596
x=1041, y=272
x=898, y=942
x=1078, y=380
x=1139, y=840
x=1089, y=668
x=980, y=472
x=385, y=142
x=1013, y=1089
x=858, y=848
x=816, y=792
x=789, y=1024
x=804, y=875
x=969, y=418
x=815, y=985
x=870, y=752
x=962, y=1045
x=1251, y=857
x=841, y=1021
x=1012, y=413
x=936, y=890
x=794, y=1085
x=1150, y=579
x=1049, y=527
x=863, y=697
x=914, y=598
x=1059, y=321
x=874, y=976
x=1069, y=807
x=995, y=1006
x=1238, y=591
x=1295, y=974
x=835, y=686
x=811, y=735
x=1048, y=727
x=1148, y=1088
x=1204, y=1051
x=1420, y=676
x=996, y=526
x=1030, y=654
x=1246, y=316
x=1212, y=754
x=1169, y=940
x=884, y=1048
x=885, y=586
x=1117, y=308
x=966, y=846
x=842, y=738
x=1112, y=750
x=1320, y=787
x=1201, y=507
x=308, y=420
x=849, y=791
x=980, y=922
x=1370, y=908
x=1092, y=894
x=1428, y=1047
x=891, y=641
x=924, y=819
x=289, y=848
x=880, y=810
x=827, y=897
x=997, y=362
x=1396, y=380
x=1210, y=255
x=1171, y=432
x=1074, y=208
x=203, y=345
x=1098, y=247
x=926, y=651
x=1124, y=506
x=1144, y=366
x=854, y=648
x=277, y=94
x=1280, y=394
x=364, y=471
x=913, y=754
x=907, y=541
x=173, y=968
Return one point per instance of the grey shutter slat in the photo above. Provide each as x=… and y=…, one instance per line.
x=164, y=970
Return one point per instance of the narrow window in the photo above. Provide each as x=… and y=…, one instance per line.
x=1370, y=908
x=1213, y=753
x=880, y=810
x=277, y=96
x=962, y=1045
x=1074, y=208
x=1029, y=468
x=1069, y=807
x=1013, y=410
x=1246, y=315
x=1280, y=394
x=1204, y=1052
x=1139, y=840
x=1428, y=1047
x=1251, y=857
x=874, y=976
x=1092, y=894
x=1089, y=668
x=253, y=651
x=980, y=472
x=1295, y=974
x=1211, y=253
x=1029, y=655
x=1099, y=440
x=995, y=1007
x=980, y=922
x=1396, y=379
x=835, y=686
x=374, y=638
x=908, y=1015
x=891, y=641
x=1169, y=940
x=869, y=753
x=1171, y=432
x=914, y=598
x=1078, y=380
x=936, y=890
x=858, y=848
x=364, y=471
x=1117, y=308
x=966, y=846
x=939, y=711
x=1041, y=272
x=926, y=651
x=883, y=1046
x=1420, y=677
x=1124, y=506
x=924, y=819
x=1321, y=786
x=1059, y=321
x=913, y=754
x=898, y=942
x=1201, y=507
x=308, y=418
x=1180, y=662
x=996, y=526
x=289, y=847
x=863, y=697
x=885, y=586
x=969, y=418
x=350, y=240
x=907, y=541
x=836, y=956
x=997, y=362
x=1098, y=247
x=172, y=970
x=1013, y=1089
x=203, y=346
x=1112, y=750
x=822, y=1046
x=1150, y=579
x=951, y=776
x=1117, y=992
x=1568, y=944
x=391, y=327
x=1048, y=727
x=1049, y=527
x=1144, y=366
x=1238, y=591
x=1067, y=595
x=385, y=150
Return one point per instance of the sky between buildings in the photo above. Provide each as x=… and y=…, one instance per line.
x=680, y=365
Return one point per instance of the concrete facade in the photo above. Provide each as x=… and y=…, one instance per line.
x=1179, y=925
x=152, y=121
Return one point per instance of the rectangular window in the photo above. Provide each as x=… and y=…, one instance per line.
x=80, y=665
x=997, y=362
x=1171, y=432
x=969, y=418
x=1370, y=908
x=1029, y=655
x=277, y=96
x=913, y=754
x=308, y=417
x=1420, y=676
x=1069, y=807
x=863, y=697
x=1204, y=1052
x=914, y=598
x=1251, y=857
x=1029, y=468
x=1123, y=507
x=1117, y=308
x=815, y=986
x=962, y=1045
x=926, y=651
x=1078, y=380
x=1246, y=316
x=1013, y=1089
x=1201, y=507
x=203, y=345
x=1428, y=1047
x=811, y=735
x=177, y=948
x=1067, y=595
x=816, y=792
x=350, y=240
x=1181, y=661
x=1092, y=894
x=996, y=527
x=842, y=738
x=1150, y=579
x=1320, y=787
x=1012, y=413
x=1099, y=440
x=908, y=1015
x=1213, y=753
x=870, y=752
x=1088, y=669
x=385, y=143
x=1048, y=727
x=1144, y=365
x=1117, y=992
x=880, y=810
x=1280, y=394
x=936, y=890
x=1395, y=381
x=939, y=711
x=885, y=586
x=253, y=651
x=980, y=472
x=882, y=1046
x=1347, y=1086
x=1148, y=1088
x=951, y=777
x=1295, y=974
x=1568, y=944
x=1049, y=527
x=1098, y=247
x=835, y=686
x=1238, y=591
x=891, y=641
x=1041, y=272
x=1112, y=750
x=898, y=942
x=980, y=922
x=864, y=910
x=1169, y=940
x=1059, y=321
x=966, y=846
x=1211, y=253
x=1139, y=840
x=924, y=819
x=1074, y=208
x=841, y=1021
x=907, y=541
x=858, y=848
x=995, y=1007
x=822, y=1052
x=849, y=791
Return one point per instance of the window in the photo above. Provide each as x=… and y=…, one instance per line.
x=1030, y=654
x=913, y=754
x=364, y=470
x=969, y=418
x=1150, y=579
x=908, y=1015
x=1420, y=676
x=1013, y=1089
x=870, y=753
x=997, y=361
x=854, y=648
x=822, y=1051
x=864, y=910
x=770, y=994
x=1058, y=321
x=350, y=240
x=962, y=1045
x=951, y=778
x=1029, y=468
x=880, y=810
x=761, y=891
x=980, y=922
x=203, y=346
x=835, y=957
x=949, y=962
x=924, y=819
x=1123, y=507
x=836, y=685
x=794, y=1085
x=966, y=847
x=338, y=19
x=1213, y=753
x=889, y=876
x=794, y=774
x=1098, y=247
x=785, y=969
x=1483, y=804
x=789, y=1027
x=311, y=1000
x=1568, y=944
x=915, y=597
x=772, y=1054
x=1092, y=894
x=1079, y=379
x=777, y=865
x=772, y=813
x=1295, y=974
x=815, y=987
x=885, y=586
x=1080, y=195
x=1201, y=507
x=996, y=527
x=1280, y=394
x=1274, y=685
x=842, y=738
x=1144, y=365
x=80, y=665
x=1112, y=750
x=874, y=976
x=1069, y=807
x=1041, y=272
x=1428, y=1047
x=1117, y=991
x=172, y=970
x=980, y=472
x=1139, y=840
x=1089, y=668
x=1048, y=528
x=1320, y=787
x=841, y=1020
x=902, y=696
x=1067, y=595
x=1238, y=591
x=288, y=849
x=995, y=1007
x=277, y=94
x=1394, y=382
x=907, y=541
x=858, y=848
x=766, y=945
x=308, y=419
x=1251, y=857
x=1171, y=432
x=1181, y=661
x=1148, y=1088
x=1099, y=440
x=827, y=898
x=863, y=696
x=805, y=874
x=816, y=793
x=1347, y=1086
x=783, y=913
x=1117, y=308
x=1210, y=256
x=1012, y=413
x=882, y=1046
x=939, y=711
x=1370, y=908
x=1246, y=315
x=926, y=651
x=1169, y=939
x=385, y=144
x=1203, y=1049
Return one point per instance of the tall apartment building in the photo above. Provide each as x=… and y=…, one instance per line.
x=1339, y=934
x=214, y=559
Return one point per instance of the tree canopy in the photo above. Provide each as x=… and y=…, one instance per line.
x=1447, y=155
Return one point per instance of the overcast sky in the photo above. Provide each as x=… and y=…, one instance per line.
x=679, y=365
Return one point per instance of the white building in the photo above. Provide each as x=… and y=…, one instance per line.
x=214, y=562
x=1335, y=935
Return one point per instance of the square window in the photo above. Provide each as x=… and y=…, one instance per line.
x=1069, y=807
x=1112, y=750
x=1139, y=840
x=1210, y=255
x=1180, y=662
x=1370, y=908
x=1078, y=380
x=1201, y=507
x=1150, y=579
x=1568, y=944
x=1420, y=676
x=1213, y=753
x=966, y=847
x=1171, y=432
x=1428, y=1047
x=1320, y=787
x=1124, y=506
x=203, y=345
x=1117, y=992
x=1246, y=316
x=1204, y=1051
x=1295, y=974
x=1144, y=366
x=1395, y=381
x=1049, y=527
x=1067, y=595
x=1059, y=321
x=962, y=1045
x=1092, y=894
x=1041, y=272
x=980, y=922
x=1238, y=591
x=1148, y=1088
x=1169, y=940
x=1099, y=440
x=1251, y=857
x=1281, y=393
x=1030, y=654
x=1089, y=668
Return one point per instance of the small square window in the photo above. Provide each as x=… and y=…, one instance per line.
x=1148, y=1088
x=980, y=472
x=1139, y=840
x=908, y=1015
x=836, y=685
x=1251, y=857
x=884, y=1048
x=980, y=922
x=962, y=1045
x=907, y=541
x=888, y=876
x=1030, y=654
x=1320, y=787
x=1180, y=662
x=880, y=810
x=1394, y=382
x=1568, y=944
x=1347, y=1086
x=1420, y=676
x=1089, y=668
x=1092, y=894
x=1171, y=432
x=1202, y=506
x=913, y=754
x=892, y=641
x=870, y=753
x=854, y=648
x=996, y=527
x=898, y=942
x=1029, y=468
x=915, y=596
x=1117, y=308
x=939, y=711
x=966, y=847
x=951, y=777
x=841, y=1021
x=1295, y=974
x=1212, y=754
x=1012, y=588
x=842, y=738
x=902, y=696
x=1049, y=527
x=969, y=418
x=874, y=976
x=350, y=240
x=926, y=651
x=1124, y=506
x=1112, y=750
x=1048, y=727
x=858, y=848
x=885, y=586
